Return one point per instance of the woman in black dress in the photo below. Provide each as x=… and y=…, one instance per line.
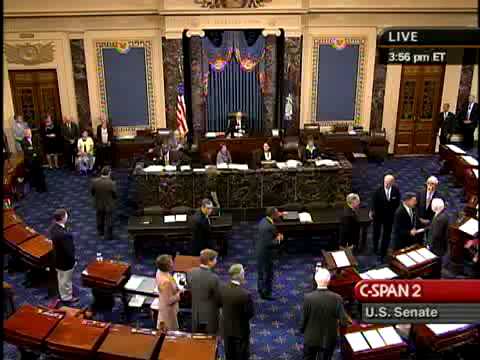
x=50, y=135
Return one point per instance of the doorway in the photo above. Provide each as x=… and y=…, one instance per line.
x=419, y=104
x=35, y=94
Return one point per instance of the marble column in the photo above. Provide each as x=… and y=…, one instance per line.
x=173, y=76
x=379, y=79
x=8, y=109
x=80, y=82
x=292, y=84
x=198, y=98
x=270, y=85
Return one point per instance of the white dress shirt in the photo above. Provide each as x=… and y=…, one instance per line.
x=387, y=193
x=104, y=135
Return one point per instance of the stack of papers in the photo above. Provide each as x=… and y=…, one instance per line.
x=222, y=166
x=470, y=160
x=416, y=257
x=439, y=329
x=185, y=168
x=390, y=335
x=199, y=170
x=379, y=274
x=305, y=217
x=373, y=339
x=340, y=258
x=238, y=166
x=170, y=168
x=153, y=168
x=291, y=164
x=470, y=227
x=406, y=260
x=427, y=254
x=210, y=135
x=455, y=149
x=134, y=283
x=357, y=342
x=181, y=217
x=136, y=301
x=169, y=219
x=175, y=218
x=326, y=162
x=281, y=165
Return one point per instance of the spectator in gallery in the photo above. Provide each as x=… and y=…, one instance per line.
x=168, y=294
x=51, y=141
x=446, y=124
x=200, y=223
x=237, y=310
x=469, y=118
x=85, y=156
x=33, y=161
x=204, y=285
x=104, y=192
x=70, y=134
x=349, y=222
x=323, y=313
x=425, y=197
x=104, y=143
x=385, y=201
x=19, y=127
x=64, y=255
x=437, y=238
x=311, y=151
x=223, y=156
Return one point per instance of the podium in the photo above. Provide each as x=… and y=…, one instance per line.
x=344, y=278
x=380, y=342
x=425, y=268
x=427, y=339
x=456, y=241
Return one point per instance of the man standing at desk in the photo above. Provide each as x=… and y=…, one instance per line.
x=268, y=238
x=405, y=222
x=323, y=311
x=104, y=192
x=201, y=233
x=205, y=284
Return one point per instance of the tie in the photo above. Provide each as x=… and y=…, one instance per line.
x=469, y=111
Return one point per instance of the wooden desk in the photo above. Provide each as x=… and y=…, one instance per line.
x=10, y=219
x=455, y=163
x=153, y=228
x=37, y=251
x=123, y=344
x=426, y=339
x=184, y=346
x=427, y=269
x=29, y=326
x=240, y=148
x=456, y=242
x=17, y=234
x=470, y=183
x=107, y=274
x=75, y=338
x=343, y=282
x=185, y=264
x=389, y=352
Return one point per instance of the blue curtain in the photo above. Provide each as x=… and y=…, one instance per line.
x=233, y=90
x=233, y=72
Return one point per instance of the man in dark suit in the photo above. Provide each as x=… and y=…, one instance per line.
x=200, y=223
x=405, y=222
x=311, y=152
x=424, y=200
x=445, y=124
x=236, y=126
x=70, y=134
x=438, y=235
x=33, y=161
x=104, y=192
x=349, y=223
x=204, y=285
x=237, y=310
x=323, y=312
x=172, y=157
x=104, y=143
x=64, y=255
x=469, y=120
x=268, y=238
x=385, y=201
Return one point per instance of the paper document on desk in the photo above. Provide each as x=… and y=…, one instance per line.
x=238, y=166
x=427, y=254
x=366, y=275
x=382, y=274
x=470, y=160
x=357, y=342
x=390, y=336
x=439, y=329
x=416, y=257
x=222, y=166
x=374, y=339
x=169, y=219
x=199, y=170
x=181, y=217
x=133, y=283
x=291, y=164
x=340, y=259
x=470, y=227
x=170, y=168
x=305, y=217
x=210, y=135
x=281, y=165
x=185, y=168
x=406, y=260
x=326, y=162
x=136, y=301
x=153, y=168
x=455, y=149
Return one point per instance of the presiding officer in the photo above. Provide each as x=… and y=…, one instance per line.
x=268, y=238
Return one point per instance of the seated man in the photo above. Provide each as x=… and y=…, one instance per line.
x=236, y=126
x=85, y=158
x=223, y=156
x=171, y=156
x=310, y=152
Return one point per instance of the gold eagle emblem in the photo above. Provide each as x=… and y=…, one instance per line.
x=30, y=54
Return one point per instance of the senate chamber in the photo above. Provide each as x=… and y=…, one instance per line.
x=241, y=179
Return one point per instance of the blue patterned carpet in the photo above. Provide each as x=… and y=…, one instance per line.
x=274, y=328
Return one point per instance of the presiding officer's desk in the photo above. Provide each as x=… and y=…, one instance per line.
x=246, y=189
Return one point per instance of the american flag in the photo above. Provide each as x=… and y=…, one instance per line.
x=182, y=126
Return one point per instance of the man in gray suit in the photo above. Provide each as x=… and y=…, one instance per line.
x=323, y=311
x=437, y=238
x=104, y=192
x=205, y=285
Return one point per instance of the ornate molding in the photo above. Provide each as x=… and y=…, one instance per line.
x=274, y=32
x=30, y=54
x=125, y=44
x=199, y=33
x=361, y=42
x=231, y=4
